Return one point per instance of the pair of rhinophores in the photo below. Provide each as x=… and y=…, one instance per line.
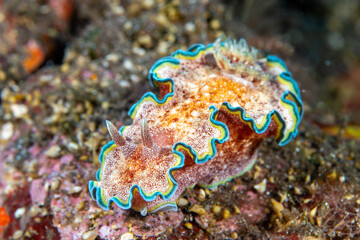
x=216, y=105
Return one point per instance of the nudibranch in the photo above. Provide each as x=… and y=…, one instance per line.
x=216, y=105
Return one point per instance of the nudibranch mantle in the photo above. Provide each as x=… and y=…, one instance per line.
x=216, y=105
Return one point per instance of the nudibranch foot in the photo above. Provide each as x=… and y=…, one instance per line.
x=229, y=174
x=216, y=105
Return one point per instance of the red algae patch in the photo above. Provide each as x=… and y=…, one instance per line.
x=4, y=218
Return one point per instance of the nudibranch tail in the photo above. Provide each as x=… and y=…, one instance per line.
x=216, y=104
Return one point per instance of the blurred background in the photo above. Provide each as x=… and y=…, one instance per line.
x=318, y=39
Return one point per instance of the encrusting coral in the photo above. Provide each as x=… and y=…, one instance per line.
x=216, y=105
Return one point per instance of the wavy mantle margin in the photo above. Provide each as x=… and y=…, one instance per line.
x=291, y=99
